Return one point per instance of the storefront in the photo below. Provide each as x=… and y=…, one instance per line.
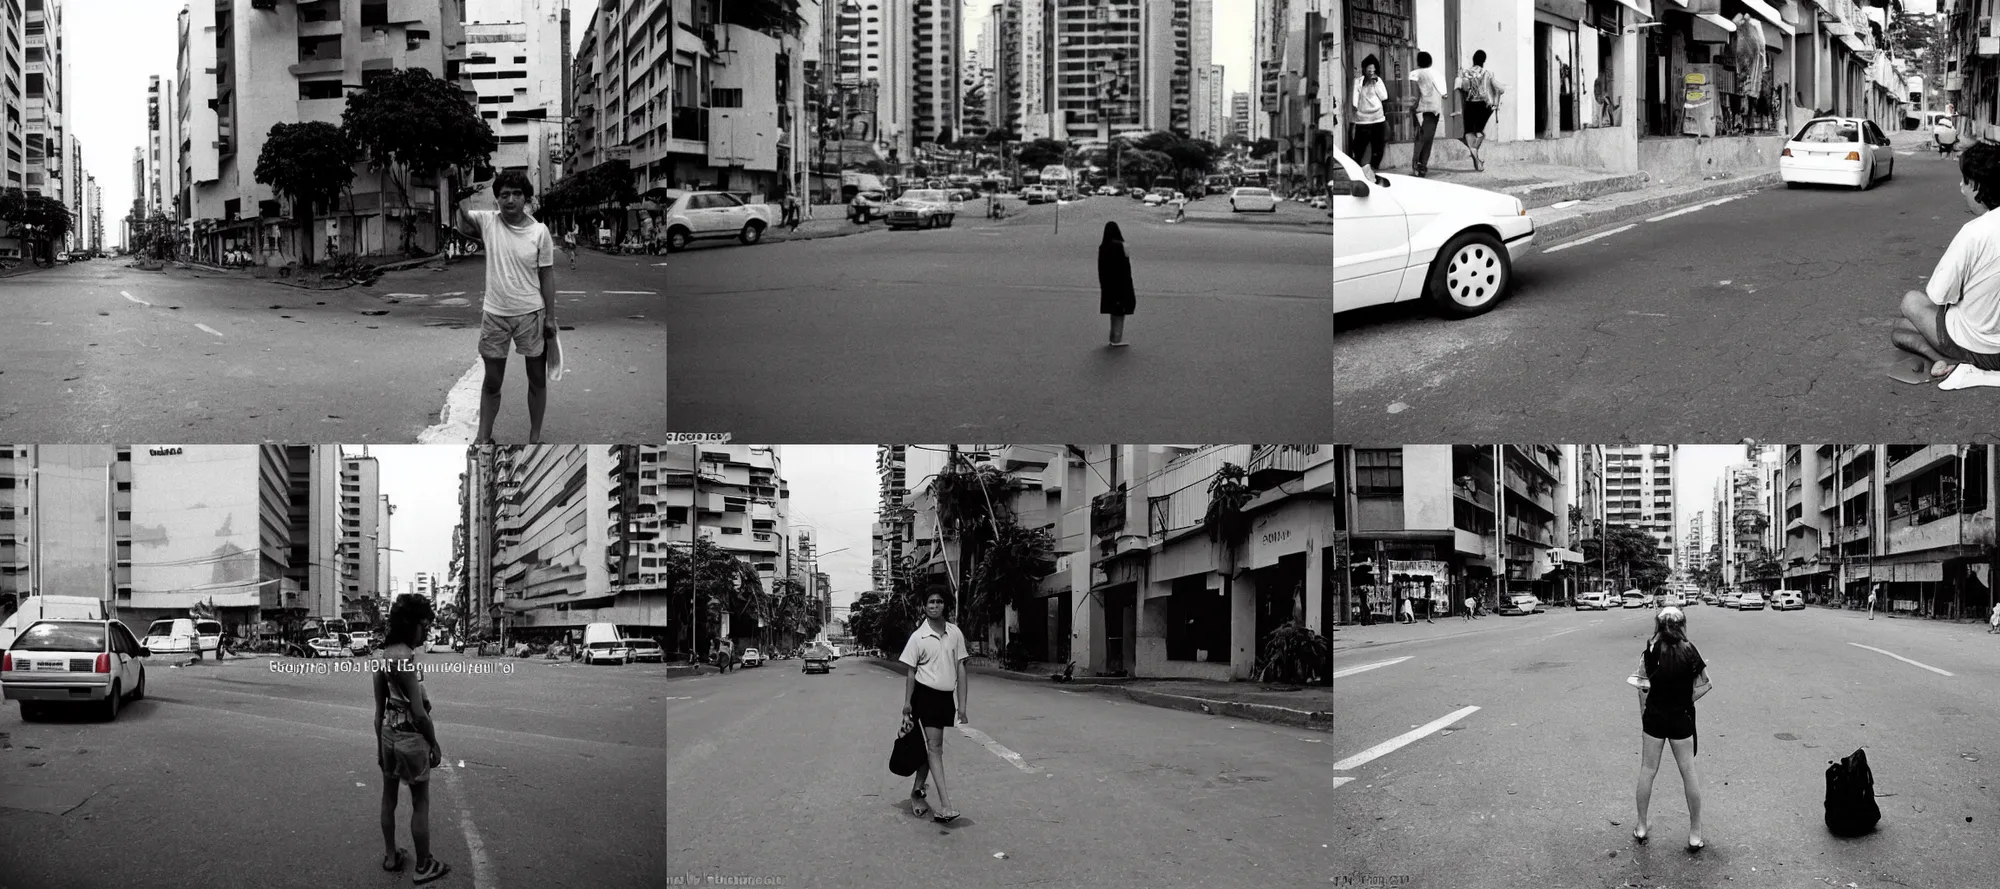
x=1386, y=30
x=1717, y=68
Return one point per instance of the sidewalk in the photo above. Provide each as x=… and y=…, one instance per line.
x=1307, y=708
x=1349, y=637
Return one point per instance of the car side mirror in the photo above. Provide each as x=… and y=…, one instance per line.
x=1352, y=188
x=145, y=652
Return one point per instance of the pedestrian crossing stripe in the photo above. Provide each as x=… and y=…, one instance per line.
x=1400, y=741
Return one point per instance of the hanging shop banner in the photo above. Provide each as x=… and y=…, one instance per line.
x=1381, y=18
x=1436, y=570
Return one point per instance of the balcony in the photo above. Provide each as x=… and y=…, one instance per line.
x=1919, y=460
x=689, y=124
x=1107, y=513
x=1850, y=533
x=1937, y=526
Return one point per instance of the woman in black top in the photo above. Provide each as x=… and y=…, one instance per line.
x=1673, y=677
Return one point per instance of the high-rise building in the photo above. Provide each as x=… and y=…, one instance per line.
x=13, y=101
x=291, y=64
x=1201, y=64
x=1741, y=520
x=363, y=533
x=513, y=61
x=1266, y=58
x=316, y=566
x=936, y=97
x=1239, y=114
x=162, y=164
x=43, y=119
x=1638, y=493
x=211, y=527
x=1166, y=67
x=96, y=215
x=735, y=497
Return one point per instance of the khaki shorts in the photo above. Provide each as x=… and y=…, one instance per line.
x=524, y=331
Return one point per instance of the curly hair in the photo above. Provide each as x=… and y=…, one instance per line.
x=1980, y=165
x=941, y=590
x=514, y=179
x=407, y=618
x=1369, y=60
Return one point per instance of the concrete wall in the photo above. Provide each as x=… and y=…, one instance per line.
x=1693, y=159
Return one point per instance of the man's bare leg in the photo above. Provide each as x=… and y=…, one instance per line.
x=538, y=395
x=489, y=396
x=1914, y=332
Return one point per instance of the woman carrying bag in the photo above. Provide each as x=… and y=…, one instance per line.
x=1480, y=92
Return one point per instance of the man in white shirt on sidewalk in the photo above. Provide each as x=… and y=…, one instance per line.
x=1430, y=104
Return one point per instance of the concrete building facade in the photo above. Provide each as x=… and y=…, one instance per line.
x=736, y=497
x=514, y=62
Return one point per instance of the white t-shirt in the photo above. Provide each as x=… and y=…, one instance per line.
x=936, y=657
x=514, y=257
x=1967, y=278
x=1430, y=90
x=1368, y=99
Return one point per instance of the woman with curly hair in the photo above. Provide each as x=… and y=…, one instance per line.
x=406, y=746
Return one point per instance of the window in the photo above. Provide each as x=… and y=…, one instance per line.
x=520, y=60
x=725, y=98
x=1378, y=471
x=319, y=89
x=513, y=140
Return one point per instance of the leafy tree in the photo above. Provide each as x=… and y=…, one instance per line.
x=609, y=182
x=1915, y=35
x=1263, y=148
x=1628, y=554
x=1041, y=153
x=703, y=582
x=413, y=122
x=43, y=221
x=309, y=164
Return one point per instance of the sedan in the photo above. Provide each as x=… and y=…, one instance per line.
x=922, y=208
x=1246, y=199
x=1849, y=151
x=1154, y=199
x=609, y=651
x=1788, y=600
x=335, y=645
x=1399, y=238
x=817, y=659
x=67, y=662
x=1634, y=600
x=1587, y=601
x=646, y=650
x=752, y=658
x=1752, y=602
x=173, y=636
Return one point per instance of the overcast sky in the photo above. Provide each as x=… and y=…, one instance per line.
x=422, y=483
x=836, y=492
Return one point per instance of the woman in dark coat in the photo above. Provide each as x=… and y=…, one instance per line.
x=1114, y=280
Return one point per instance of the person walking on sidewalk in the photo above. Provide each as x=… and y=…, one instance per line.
x=1430, y=104
x=1408, y=614
x=1371, y=123
x=520, y=305
x=1672, y=676
x=1430, y=609
x=1468, y=608
x=1116, y=296
x=1871, y=604
x=934, y=692
x=1481, y=92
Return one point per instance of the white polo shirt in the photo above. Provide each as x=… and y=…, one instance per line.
x=936, y=656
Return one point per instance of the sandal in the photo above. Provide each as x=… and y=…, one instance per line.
x=1640, y=838
x=433, y=870
x=945, y=819
x=1696, y=847
x=402, y=857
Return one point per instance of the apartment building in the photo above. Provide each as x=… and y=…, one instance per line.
x=1166, y=67
x=1443, y=522
x=890, y=540
x=1201, y=65
x=514, y=62
x=289, y=63
x=1638, y=492
x=1742, y=517
x=44, y=120
x=735, y=497
x=162, y=148
x=1913, y=523
x=316, y=568
x=364, y=534
x=13, y=96
x=210, y=527
x=1694, y=552
x=1239, y=114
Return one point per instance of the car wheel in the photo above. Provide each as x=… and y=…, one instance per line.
x=111, y=702
x=31, y=711
x=1469, y=275
x=139, y=694
x=677, y=240
x=752, y=233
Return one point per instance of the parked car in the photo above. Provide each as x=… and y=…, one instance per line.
x=1110, y=191
x=817, y=658
x=1672, y=600
x=209, y=633
x=867, y=206
x=922, y=208
x=71, y=662
x=1849, y=151
x=1596, y=599
x=1752, y=601
x=48, y=607
x=1038, y=194
x=172, y=636
x=1634, y=599
x=1399, y=238
x=1788, y=600
x=646, y=650
x=330, y=645
x=1246, y=199
x=710, y=215
x=1317, y=202
x=752, y=658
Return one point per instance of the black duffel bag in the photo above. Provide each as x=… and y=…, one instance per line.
x=910, y=750
x=1850, y=796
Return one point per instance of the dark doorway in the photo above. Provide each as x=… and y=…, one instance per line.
x=1541, y=80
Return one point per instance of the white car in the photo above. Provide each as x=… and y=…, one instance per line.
x=173, y=636
x=1598, y=600
x=922, y=208
x=1154, y=199
x=609, y=651
x=331, y=645
x=1787, y=600
x=1246, y=199
x=646, y=650
x=1400, y=238
x=67, y=662
x=209, y=632
x=752, y=658
x=1849, y=151
x=706, y=215
x=1636, y=599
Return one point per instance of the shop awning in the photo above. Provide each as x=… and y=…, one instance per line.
x=1854, y=44
x=1770, y=15
x=1635, y=7
x=1719, y=22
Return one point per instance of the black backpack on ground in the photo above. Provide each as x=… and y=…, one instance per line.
x=1850, y=796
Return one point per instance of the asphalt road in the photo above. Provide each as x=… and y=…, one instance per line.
x=1765, y=317
x=992, y=328
x=101, y=351
x=237, y=775
x=1539, y=778
x=775, y=774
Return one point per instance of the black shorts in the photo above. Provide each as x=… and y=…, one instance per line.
x=1476, y=116
x=1950, y=348
x=1671, y=726
x=934, y=708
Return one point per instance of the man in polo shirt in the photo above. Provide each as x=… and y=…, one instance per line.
x=935, y=694
x=520, y=306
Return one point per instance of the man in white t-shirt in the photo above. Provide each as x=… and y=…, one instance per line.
x=520, y=305
x=934, y=695
x=1956, y=318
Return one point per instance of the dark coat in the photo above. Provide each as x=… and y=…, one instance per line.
x=1114, y=279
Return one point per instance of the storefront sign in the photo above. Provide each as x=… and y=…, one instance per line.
x=1436, y=570
x=163, y=452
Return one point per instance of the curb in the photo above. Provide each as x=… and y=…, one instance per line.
x=1313, y=720
x=1542, y=194
x=1559, y=229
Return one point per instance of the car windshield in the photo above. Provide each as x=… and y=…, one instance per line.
x=161, y=628
x=1829, y=131
x=62, y=635
x=1255, y=192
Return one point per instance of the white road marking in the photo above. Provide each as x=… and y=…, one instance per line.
x=459, y=421
x=411, y=295
x=1594, y=237
x=1339, y=781
x=681, y=699
x=572, y=291
x=1686, y=210
x=1393, y=744
x=633, y=292
x=134, y=298
x=998, y=750
x=1560, y=632
x=1366, y=667
x=1900, y=658
x=475, y=848
x=209, y=329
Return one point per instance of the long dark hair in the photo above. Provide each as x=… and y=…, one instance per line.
x=1670, y=646
x=1111, y=233
x=407, y=618
x=1368, y=60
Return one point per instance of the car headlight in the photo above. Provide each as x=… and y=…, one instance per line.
x=1520, y=209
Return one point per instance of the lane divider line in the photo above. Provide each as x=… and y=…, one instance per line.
x=1366, y=667
x=209, y=329
x=997, y=749
x=1339, y=781
x=1397, y=743
x=1581, y=241
x=1686, y=210
x=632, y=292
x=1901, y=658
x=475, y=848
